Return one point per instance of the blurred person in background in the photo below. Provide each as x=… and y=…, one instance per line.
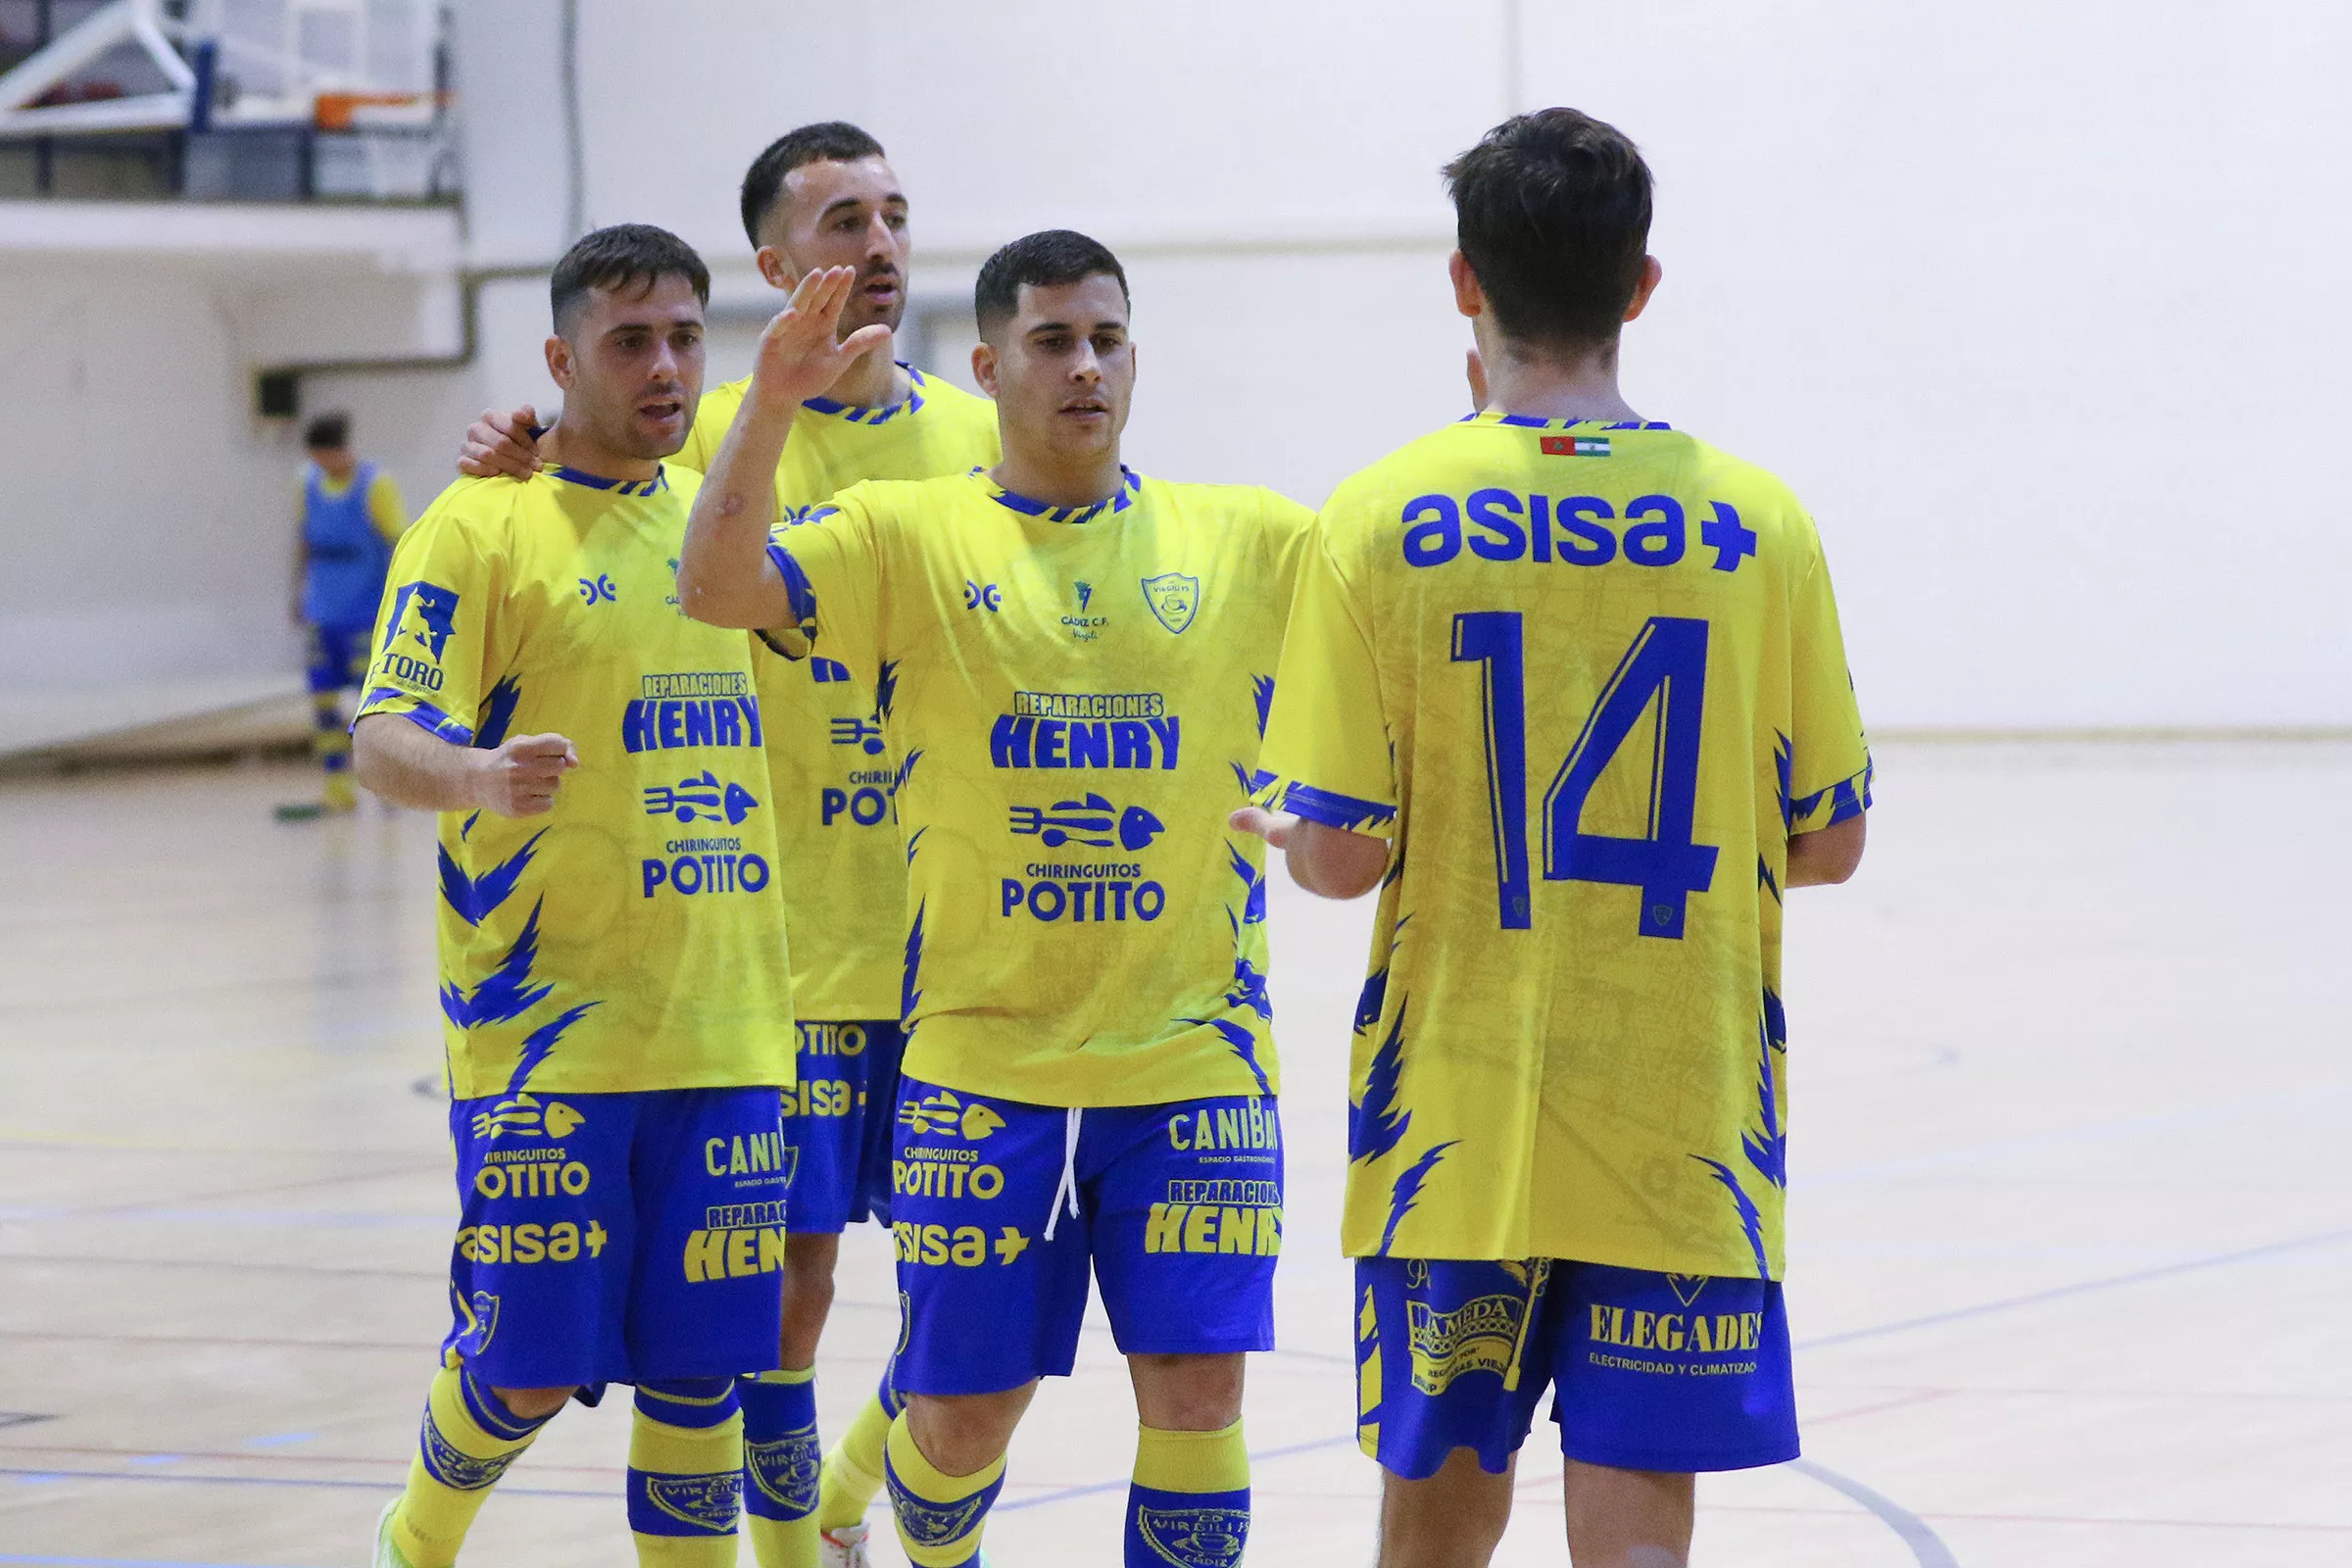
x=351, y=517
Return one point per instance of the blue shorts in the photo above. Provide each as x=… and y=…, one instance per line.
x=617, y=1237
x=1672, y=1372
x=338, y=657
x=1179, y=1214
x=837, y=1125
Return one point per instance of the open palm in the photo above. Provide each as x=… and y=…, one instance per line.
x=800, y=354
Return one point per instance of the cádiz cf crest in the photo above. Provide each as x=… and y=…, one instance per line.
x=1194, y=1538
x=1174, y=598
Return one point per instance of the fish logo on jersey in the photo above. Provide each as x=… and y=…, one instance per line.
x=944, y=1115
x=1194, y=1538
x=1174, y=598
x=524, y=1117
x=701, y=797
x=435, y=611
x=1090, y=821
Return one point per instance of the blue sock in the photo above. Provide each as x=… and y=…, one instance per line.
x=1189, y=1504
x=781, y=1459
x=686, y=1473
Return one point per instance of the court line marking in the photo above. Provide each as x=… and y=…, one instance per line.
x=2299, y=1096
x=1926, y=1547
x=2080, y=1287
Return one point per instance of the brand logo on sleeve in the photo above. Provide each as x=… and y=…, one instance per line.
x=424, y=614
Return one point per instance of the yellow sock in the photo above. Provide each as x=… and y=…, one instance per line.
x=939, y=1516
x=780, y=1458
x=853, y=1470
x=686, y=1473
x=468, y=1439
x=1189, y=1504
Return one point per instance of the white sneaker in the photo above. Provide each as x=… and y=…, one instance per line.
x=843, y=1547
x=387, y=1556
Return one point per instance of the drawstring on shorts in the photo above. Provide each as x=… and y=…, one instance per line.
x=1069, y=1170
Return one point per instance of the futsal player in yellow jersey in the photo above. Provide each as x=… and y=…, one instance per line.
x=616, y=985
x=1073, y=660
x=824, y=195
x=1582, y=674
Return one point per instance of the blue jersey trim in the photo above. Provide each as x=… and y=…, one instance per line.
x=861, y=414
x=1131, y=484
x=796, y=587
x=424, y=715
x=1332, y=808
x=1528, y=422
x=626, y=487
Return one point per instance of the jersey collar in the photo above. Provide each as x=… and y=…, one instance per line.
x=621, y=487
x=855, y=414
x=1523, y=421
x=1130, y=482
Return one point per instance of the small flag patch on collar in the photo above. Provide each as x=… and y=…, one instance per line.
x=1576, y=446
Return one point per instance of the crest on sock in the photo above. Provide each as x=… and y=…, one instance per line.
x=1194, y=1538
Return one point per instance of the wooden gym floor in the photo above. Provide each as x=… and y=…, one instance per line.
x=2071, y=1233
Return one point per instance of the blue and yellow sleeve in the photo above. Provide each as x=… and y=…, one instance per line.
x=1326, y=754
x=1828, y=764
x=832, y=584
x=435, y=633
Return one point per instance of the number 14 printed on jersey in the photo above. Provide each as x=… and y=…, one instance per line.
x=1668, y=660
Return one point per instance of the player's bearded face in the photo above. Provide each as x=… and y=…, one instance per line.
x=851, y=215
x=637, y=366
x=1065, y=368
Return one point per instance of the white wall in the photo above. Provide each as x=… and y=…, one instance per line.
x=2032, y=301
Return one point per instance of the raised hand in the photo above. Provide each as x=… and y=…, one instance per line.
x=501, y=445
x=800, y=355
x=519, y=778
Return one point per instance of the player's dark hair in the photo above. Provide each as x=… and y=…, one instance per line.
x=1552, y=209
x=615, y=258
x=328, y=432
x=834, y=139
x=1049, y=259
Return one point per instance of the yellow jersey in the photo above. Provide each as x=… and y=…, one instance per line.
x=842, y=871
x=1076, y=696
x=1588, y=679
x=630, y=938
